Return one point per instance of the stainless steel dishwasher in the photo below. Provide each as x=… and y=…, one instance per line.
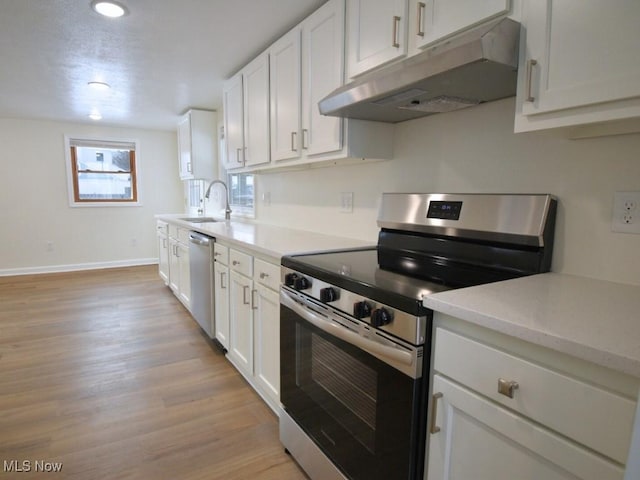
x=201, y=273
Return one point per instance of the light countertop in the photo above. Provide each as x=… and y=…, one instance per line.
x=269, y=240
x=594, y=320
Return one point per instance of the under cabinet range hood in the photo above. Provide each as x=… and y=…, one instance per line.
x=476, y=67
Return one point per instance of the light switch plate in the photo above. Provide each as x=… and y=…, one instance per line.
x=626, y=212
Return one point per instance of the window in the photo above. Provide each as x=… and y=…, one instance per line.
x=241, y=193
x=102, y=172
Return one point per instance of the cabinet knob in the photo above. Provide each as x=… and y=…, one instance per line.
x=235, y=262
x=507, y=387
x=263, y=275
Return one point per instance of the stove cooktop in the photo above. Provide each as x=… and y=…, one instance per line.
x=358, y=272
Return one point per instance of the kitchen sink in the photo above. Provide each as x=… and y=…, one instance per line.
x=198, y=219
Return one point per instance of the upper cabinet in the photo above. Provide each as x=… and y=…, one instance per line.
x=285, y=91
x=579, y=64
x=434, y=20
x=376, y=33
x=196, y=145
x=246, y=115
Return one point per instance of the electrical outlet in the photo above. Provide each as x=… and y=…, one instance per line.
x=134, y=242
x=49, y=246
x=346, y=202
x=626, y=215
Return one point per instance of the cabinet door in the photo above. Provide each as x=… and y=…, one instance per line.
x=221, y=292
x=322, y=72
x=184, y=290
x=163, y=258
x=184, y=148
x=579, y=53
x=438, y=19
x=233, y=121
x=256, y=111
x=284, y=71
x=267, y=340
x=481, y=440
x=240, y=322
x=174, y=267
x=376, y=33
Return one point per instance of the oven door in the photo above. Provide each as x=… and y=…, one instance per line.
x=357, y=394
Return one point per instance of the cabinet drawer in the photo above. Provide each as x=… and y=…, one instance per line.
x=241, y=262
x=267, y=274
x=594, y=417
x=161, y=227
x=221, y=253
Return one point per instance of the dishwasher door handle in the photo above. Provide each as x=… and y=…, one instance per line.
x=200, y=239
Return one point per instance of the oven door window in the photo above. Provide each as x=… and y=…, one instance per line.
x=362, y=413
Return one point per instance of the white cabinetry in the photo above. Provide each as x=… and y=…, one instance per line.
x=306, y=65
x=221, y=293
x=285, y=89
x=501, y=410
x=240, y=311
x=163, y=250
x=196, y=145
x=266, y=306
x=179, y=272
x=433, y=20
x=376, y=33
x=246, y=115
x=254, y=322
x=579, y=64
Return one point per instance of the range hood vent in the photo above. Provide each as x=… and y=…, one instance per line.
x=476, y=67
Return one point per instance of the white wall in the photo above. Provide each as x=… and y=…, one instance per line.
x=34, y=206
x=475, y=151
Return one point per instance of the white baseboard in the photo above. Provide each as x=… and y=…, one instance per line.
x=76, y=267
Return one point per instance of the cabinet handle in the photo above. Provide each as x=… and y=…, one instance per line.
x=245, y=289
x=177, y=252
x=238, y=155
x=222, y=280
x=396, y=24
x=420, y=15
x=263, y=275
x=305, y=136
x=235, y=262
x=164, y=243
x=189, y=167
x=507, y=387
x=294, y=136
x=254, y=304
x=530, y=64
x=434, y=412
x=216, y=254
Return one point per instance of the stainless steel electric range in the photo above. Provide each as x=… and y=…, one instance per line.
x=355, y=338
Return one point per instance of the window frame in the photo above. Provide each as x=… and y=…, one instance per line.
x=105, y=142
x=238, y=209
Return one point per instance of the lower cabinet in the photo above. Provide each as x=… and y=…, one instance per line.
x=221, y=295
x=504, y=409
x=173, y=260
x=163, y=250
x=253, y=309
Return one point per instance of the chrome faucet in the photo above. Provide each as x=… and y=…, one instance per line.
x=227, y=210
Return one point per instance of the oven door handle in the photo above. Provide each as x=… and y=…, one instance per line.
x=343, y=333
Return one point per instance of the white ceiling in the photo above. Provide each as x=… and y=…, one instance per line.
x=162, y=58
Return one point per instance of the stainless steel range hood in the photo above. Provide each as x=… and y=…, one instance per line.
x=478, y=66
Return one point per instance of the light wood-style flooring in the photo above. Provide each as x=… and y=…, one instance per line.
x=106, y=372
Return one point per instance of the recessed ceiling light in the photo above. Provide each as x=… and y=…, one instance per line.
x=95, y=115
x=108, y=9
x=99, y=85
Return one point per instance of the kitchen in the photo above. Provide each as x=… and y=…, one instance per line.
x=472, y=150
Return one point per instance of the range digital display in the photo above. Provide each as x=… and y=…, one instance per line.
x=444, y=210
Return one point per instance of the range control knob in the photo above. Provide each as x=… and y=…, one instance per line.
x=301, y=283
x=380, y=317
x=361, y=309
x=328, y=294
x=296, y=281
x=289, y=278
